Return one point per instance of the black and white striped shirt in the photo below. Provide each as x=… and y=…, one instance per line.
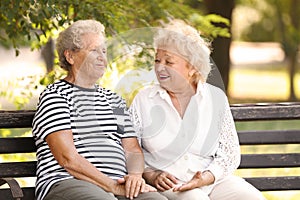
x=98, y=119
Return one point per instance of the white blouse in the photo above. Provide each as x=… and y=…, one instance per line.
x=204, y=139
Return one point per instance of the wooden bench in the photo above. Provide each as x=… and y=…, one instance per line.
x=280, y=111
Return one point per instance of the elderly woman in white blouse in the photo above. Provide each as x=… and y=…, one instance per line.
x=186, y=129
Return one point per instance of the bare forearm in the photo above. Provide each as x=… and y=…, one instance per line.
x=208, y=178
x=135, y=163
x=150, y=175
x=82, y=169
x=134, y=156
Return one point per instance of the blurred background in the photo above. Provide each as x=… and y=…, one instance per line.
x=255, y=47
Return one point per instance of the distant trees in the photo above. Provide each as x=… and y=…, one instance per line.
x=279, y=22
x=35, y=22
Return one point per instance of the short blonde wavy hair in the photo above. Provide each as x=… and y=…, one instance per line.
x=181, y=38
x=70, y=38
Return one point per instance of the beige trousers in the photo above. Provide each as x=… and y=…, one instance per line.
x=231, y=188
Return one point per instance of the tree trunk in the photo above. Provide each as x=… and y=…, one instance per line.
x=221, y=45
x=292, y=64
x=48, y=55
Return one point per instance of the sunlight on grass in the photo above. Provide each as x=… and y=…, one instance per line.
x=282, y=195
x=261, y=84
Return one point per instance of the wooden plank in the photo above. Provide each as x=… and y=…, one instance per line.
x=269, y=137
x=265, y=112
x=276, y=183
x=27, y=191
x=270, y=160
x=18, y=169
x=17, y=145
x=23, y=118
x=16, y=119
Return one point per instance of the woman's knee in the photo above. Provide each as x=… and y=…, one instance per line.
x=235, y=188
x=195, y=194
x=77, y=189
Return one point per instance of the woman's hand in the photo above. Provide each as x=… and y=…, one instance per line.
x=164, y=181
x=134, y=185
x=199, y=179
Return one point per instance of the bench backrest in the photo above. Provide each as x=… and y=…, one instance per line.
x=23, y=119
x=280, y=111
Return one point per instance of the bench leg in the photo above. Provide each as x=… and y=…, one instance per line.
x=15, y=188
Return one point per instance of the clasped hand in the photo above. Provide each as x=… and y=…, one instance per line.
x=165, y=181
x=134, y=185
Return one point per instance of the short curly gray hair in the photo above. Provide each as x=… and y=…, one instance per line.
x=70, y=38
x=186, y=41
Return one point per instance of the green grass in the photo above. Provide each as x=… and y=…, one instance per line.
x=261, y=85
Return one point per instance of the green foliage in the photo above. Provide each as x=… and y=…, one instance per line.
x=207, y=25
x=277, y=21
x=33, y=22
x=16, y=93
x=28, y=20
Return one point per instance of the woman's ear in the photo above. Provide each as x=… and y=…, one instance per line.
x=192, y=72
x=69, y=56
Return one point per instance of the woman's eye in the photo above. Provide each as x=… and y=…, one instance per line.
x=157, y=61
x=169, y=63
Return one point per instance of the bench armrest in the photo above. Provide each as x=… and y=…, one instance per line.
x=15, y=188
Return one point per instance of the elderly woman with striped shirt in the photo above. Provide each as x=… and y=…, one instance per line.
x=86, y=146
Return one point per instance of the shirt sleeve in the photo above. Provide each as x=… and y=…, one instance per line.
x=228, y=156
x=52, y=114
x=125, y=126
x=135, y=118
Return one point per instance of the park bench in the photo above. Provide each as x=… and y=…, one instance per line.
x=244, y=112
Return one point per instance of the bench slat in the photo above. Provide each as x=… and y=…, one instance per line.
x=16, y=119
x=270, y=160
x=276, y=183
x=27, y=191
x=17, y=145
x=269, y=137
x=18, y=169
x=268, y=112
x=23, y=118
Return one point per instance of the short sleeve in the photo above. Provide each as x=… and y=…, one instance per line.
x=125, y=126
x=52, y=114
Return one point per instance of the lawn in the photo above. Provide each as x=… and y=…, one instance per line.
x=262, y=84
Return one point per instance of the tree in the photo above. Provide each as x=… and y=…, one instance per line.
x=289, y=31
x=279, y=22
x=221, y=45
x=35, y=22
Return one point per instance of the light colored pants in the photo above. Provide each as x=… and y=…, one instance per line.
x=231, y=188
x=74, y=189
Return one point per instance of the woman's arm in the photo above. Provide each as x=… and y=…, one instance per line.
x=64, y=151
x=134, y=182
x=160, y=179
x=228, y=156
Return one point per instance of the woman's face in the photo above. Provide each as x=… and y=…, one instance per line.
x=172, y=71
x=90, y=61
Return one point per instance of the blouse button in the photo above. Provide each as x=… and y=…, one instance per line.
x=186, y=157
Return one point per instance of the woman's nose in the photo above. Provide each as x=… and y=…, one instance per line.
x=160, y=67
x=101, y=55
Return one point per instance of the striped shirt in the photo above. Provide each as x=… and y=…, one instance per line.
x=98, y=119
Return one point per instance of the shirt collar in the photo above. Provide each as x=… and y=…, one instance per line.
x=156, y=89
